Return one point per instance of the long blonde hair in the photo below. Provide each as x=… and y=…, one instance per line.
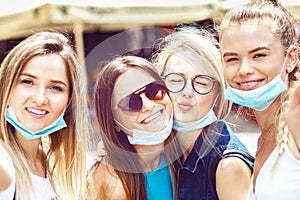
x=66, y=148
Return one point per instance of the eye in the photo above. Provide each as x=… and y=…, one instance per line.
x=27, y=82
x=259, y=55
x=231, y=59
x=56, y=89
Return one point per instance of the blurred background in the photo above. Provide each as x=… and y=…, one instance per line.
x=102, y=29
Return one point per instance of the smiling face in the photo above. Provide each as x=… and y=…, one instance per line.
x=41, y=92
x=188, y=104
x=153, y=115
x=251, y=55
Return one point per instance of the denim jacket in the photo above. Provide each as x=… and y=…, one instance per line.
x=196, y=176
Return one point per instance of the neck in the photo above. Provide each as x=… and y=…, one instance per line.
x=187, y=141
x=149, y=155
x=264, y=122
x=34, y=155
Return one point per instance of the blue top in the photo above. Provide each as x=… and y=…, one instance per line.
x=196, y=176
x=158, y=182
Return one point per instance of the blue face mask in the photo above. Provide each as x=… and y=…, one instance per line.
x=142, y=137
x=184, y=127
x=259, y=98
x=30, y=135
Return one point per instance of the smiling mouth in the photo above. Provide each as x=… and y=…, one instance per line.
x=152, y=117
x=249, y=85
x=36, y=112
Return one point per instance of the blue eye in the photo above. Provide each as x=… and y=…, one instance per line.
x=56, y=88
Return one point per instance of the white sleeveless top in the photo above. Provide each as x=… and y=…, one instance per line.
x=283, y=183
x=44, y=190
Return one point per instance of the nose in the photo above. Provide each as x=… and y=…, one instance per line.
x=40, y=97
x=246, y=68
x=148, y=104
x=188, y=90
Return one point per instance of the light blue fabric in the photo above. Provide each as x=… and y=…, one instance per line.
x=258, y=99
x=158, y=182
x=30, y=135
x=183, y=127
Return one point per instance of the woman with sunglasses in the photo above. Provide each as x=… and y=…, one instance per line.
x=134, y=113
x=214, y=164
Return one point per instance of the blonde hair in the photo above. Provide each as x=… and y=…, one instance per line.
x=65, y=149
x=201, y=43
x=283, y=130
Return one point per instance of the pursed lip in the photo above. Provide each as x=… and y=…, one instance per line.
x=153, y=116
x=185, y=106
x=249, y=84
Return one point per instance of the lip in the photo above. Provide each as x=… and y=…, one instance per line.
x=36, y=113
x=249, y=84
x=185, y=106
x=152, y=117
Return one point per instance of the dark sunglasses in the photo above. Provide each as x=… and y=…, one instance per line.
x=154, y=91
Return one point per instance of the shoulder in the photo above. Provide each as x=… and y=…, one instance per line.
x=104, y=182
x=233, y=176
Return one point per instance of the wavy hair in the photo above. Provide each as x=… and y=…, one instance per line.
x=65, y=149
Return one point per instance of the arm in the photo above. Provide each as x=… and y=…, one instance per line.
x=233, y=177
x=104, y=184
x=292, y=120
x=6, y=171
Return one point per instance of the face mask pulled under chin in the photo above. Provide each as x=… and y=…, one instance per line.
x=184, y=127
x=30, y=135
x=142, y=137
x=260, y=98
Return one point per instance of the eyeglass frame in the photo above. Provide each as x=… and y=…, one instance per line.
x=192, y=81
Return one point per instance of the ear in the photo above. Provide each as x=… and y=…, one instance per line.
x=292, y=59
x=117, y=128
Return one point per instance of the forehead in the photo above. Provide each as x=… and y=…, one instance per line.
x=248, y=35
x=130, y=81
x=186, y=62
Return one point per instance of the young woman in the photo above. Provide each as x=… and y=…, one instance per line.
x=134, y=113
x=215, y=164
x=258, y=44
x=43, y=120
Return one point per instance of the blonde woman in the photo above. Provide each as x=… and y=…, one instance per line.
x=215, y=164
x=258, y=44
x=44, y=120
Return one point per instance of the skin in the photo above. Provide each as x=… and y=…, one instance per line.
x=38, y=98
x=153, y=116
x=293, y=124
x=190, y=106
x=250, y=62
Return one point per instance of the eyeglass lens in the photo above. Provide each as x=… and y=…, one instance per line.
x=202, y=84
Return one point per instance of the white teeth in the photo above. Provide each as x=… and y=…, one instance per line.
x=38, y=112
x=152, y=117
x=248, y=83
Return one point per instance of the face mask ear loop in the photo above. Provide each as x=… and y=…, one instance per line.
x=119, y=124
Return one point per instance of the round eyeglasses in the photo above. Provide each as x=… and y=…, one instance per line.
x=202, y=84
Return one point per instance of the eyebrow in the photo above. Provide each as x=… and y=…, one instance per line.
x=53, y=81
x=250, y=52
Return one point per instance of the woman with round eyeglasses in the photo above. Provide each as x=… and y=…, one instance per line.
x=134, y=113
x=214, y=164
